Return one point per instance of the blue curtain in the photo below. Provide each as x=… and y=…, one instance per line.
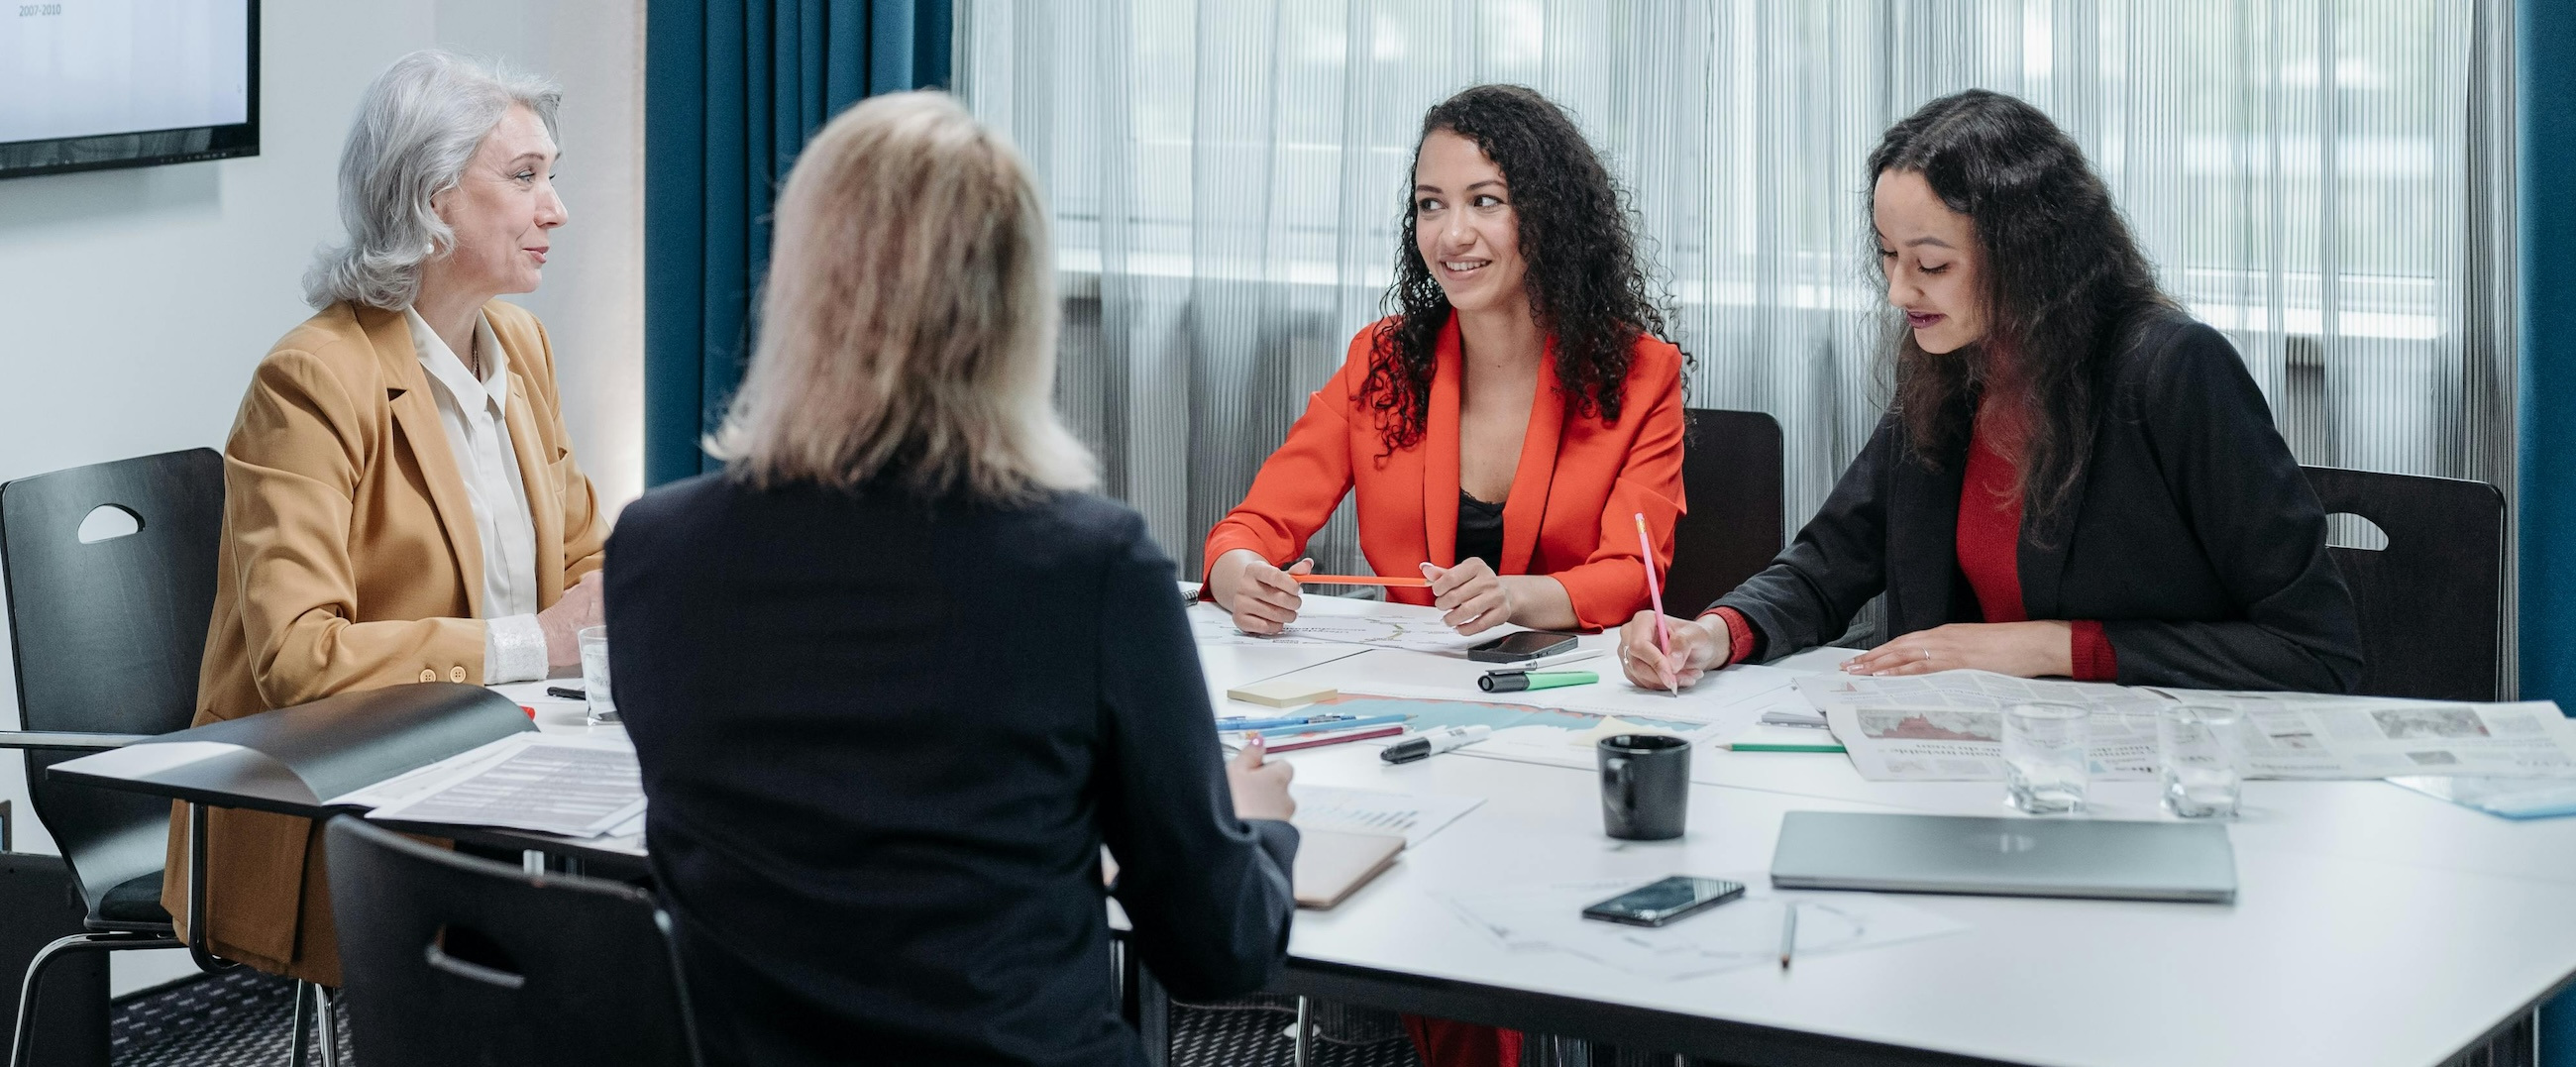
x=2545, y=41
x=733, y=89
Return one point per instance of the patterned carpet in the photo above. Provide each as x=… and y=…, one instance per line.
x=234, y=1019
x=239, y=1019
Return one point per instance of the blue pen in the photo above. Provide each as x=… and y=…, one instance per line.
x=1275, y=720
x=1320, y=727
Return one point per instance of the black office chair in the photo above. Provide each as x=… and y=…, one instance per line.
x=1732, y=477
x=107, y=635
x=564, y=971
x=2432, y=601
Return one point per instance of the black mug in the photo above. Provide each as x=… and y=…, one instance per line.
x=1645, y=786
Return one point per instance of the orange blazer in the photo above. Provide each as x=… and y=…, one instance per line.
x=1574, y=496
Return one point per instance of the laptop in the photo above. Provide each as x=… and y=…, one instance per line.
x=2005, y=857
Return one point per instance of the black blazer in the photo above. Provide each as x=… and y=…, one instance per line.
x=884, y=741
x=2192, y=537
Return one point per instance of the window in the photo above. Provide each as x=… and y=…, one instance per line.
x=2325, y=180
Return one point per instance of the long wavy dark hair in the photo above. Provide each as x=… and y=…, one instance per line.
x=2064, y=281
x=1586, y=285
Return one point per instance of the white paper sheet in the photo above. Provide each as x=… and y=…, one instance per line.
x=1730, y=700
x=576, y=787
x=1345, y=621
x=1416, y=816
x=1741, y=933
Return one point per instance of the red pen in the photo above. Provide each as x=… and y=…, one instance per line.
x=1316, y=741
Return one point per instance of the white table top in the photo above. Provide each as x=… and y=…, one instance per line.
x=2373, y=925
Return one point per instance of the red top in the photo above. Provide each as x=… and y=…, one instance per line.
x=1989, y=546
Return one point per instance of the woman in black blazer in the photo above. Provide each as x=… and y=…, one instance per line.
x=2074, y=478
x=895, y=680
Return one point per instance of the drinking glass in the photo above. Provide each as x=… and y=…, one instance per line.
x=594, y=674
x=2197, y=747
x=2045, y=763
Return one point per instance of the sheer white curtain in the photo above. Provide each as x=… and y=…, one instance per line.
x=2324, y=180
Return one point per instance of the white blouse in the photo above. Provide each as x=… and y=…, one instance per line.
x=478, y=430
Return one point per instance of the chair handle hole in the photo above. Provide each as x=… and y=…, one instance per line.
x=107, y=522
x=2347, y=530
x=472, y=971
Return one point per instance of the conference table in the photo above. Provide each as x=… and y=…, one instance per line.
x=2372, y=925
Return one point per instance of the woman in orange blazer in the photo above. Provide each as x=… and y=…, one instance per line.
x=401, y=502
x=1503, y=430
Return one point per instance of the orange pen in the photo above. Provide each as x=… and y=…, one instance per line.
x=1355, y=579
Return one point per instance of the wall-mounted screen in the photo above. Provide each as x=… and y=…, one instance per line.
x=86, y=84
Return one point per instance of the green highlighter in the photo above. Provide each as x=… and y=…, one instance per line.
x=1514, y=681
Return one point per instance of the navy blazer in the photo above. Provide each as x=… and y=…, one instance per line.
x=884, y=740
x=2191, y=536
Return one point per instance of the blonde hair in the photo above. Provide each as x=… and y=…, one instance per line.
x=908, y=327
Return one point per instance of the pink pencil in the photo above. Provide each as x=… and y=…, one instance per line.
x=1655, y=590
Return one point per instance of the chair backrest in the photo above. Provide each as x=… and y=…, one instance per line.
x=1732, y=475
x=563, y=971
x=2431, y=601
x=108, y=634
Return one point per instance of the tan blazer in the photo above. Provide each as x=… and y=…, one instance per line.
x=350, y=561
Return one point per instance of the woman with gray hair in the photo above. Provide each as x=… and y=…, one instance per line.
x=894, y=678
x=401, y=502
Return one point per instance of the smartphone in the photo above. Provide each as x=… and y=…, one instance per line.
x=1657, y=903
x=1522, y=645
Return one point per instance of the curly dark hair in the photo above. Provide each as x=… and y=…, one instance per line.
x=1586, y=286
x=2064, y=281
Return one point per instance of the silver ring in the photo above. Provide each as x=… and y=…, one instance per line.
x=1927, y=654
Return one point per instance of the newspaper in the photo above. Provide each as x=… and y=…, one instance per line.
x=1948, y=726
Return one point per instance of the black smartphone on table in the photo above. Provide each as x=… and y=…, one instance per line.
x=1660, y=902
x=1521, y=645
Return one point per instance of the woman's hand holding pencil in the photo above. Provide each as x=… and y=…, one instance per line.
x=1695, y=649
x=1262, y=598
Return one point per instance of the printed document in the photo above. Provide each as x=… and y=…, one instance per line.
x=573, y=786
x=1948, y=726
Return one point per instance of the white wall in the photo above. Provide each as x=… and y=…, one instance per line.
x=134, y=303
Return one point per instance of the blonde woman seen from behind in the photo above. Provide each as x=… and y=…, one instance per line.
x=895, y=678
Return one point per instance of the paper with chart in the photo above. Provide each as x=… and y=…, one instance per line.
x=1412, y=816
x=1557, y=737
x=1948, y=726
x=1332, y=620
x=1741, y=933
x=574, y=786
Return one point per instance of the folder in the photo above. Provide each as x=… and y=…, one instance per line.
x=1331, y=865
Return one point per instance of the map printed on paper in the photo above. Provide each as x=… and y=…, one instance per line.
x=1344, y=621
x=1949, y=726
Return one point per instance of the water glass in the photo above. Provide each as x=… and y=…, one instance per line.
x=594, y=674
x=2046, y=768
x=2197, y=747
